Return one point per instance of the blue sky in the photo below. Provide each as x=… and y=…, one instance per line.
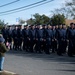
x=43, y=9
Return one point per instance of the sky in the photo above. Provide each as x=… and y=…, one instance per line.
x=26, y=14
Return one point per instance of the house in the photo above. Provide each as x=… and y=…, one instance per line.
x=69, y=21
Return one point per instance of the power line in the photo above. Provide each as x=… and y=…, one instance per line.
x=9, y=3
x=28, y=8
x=23, y=7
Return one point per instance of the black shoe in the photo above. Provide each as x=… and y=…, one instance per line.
x=70, y=55
x=47, y=52
x=53, y=51
x=59, y=54
x=40, y=52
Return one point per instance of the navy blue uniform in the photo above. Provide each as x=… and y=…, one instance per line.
x=19, y=37
x=54, y=41
x=9, y=35
x=71, y=37
x=64, y=41
x=15, y=39
x=43, y=44
x=32, y=39
x=25, y=39
x=38, y=37
x=61, y=37
x=49, y=36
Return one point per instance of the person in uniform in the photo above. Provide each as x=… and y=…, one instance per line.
x=4, y=33
x=54, y=40
x=25, y=32
x=38, y=38
x=71, y=38
x=15, y=38
x=36, y=28
x=32, y=38
x=19, y=37
x=56, y=27
x=49, y=36
x=43, y=44
x=9, y=36
x=64, y=41
x=59, y=36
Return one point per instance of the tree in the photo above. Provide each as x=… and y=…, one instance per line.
x=44, y=19
x=21, y=21
x=30, y=21
x=2, y=24
x=57, y=19
x=41, y=19
x=68, y=9
x=38, y=19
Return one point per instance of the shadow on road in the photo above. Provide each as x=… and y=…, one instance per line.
x=66, y=70
x=51, y=57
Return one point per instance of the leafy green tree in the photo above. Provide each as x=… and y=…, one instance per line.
x=38, y=19
x=41, y=19
x=30, y=21
x=57, y=19
x=2, y=24
x=21, y=21
x=44, y=19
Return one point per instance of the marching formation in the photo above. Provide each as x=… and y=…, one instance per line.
x=42, y=38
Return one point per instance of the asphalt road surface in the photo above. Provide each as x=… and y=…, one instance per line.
x=39, y=64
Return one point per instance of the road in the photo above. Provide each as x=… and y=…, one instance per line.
x=39, y=64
